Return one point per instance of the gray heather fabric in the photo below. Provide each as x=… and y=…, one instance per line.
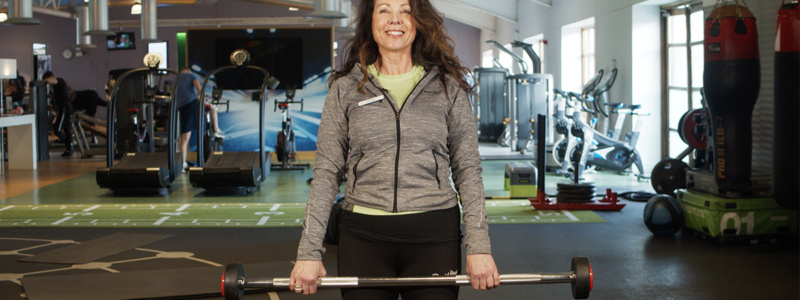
x=434, y=134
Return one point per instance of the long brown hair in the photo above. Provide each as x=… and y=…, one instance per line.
x=431, y=48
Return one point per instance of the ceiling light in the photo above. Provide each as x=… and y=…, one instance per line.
x=3, y=17
x=136, y=9
x=293, y=9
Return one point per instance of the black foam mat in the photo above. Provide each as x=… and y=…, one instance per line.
x=95, y=249
x=158, y=284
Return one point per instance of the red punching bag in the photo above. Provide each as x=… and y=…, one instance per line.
x=786, y=153
x=731, y=81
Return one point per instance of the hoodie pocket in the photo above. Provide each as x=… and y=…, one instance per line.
x=436, y=170
x=355, y=159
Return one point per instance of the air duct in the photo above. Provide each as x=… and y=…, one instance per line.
x=326, y=9
x=20, y=12
x=149, y=27
x=82, y=25
x=345, y=8
x=98, y=18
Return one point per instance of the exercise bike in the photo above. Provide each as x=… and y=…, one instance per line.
x=142, y=122
x=285, y=148
x=597, y=149
x=212, y=142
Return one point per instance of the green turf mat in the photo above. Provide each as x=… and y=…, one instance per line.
x=234, y=215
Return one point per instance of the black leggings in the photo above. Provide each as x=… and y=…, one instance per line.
x=364, y=256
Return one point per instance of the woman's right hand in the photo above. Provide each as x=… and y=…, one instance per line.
x=304, y=276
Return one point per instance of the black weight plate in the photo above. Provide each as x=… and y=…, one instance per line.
x=230, y=281
x=668, y=175
x=573, y=199
x=576, y=189
x=584, y=278
x=567, y=186
x=577, y=193
x=686, y=126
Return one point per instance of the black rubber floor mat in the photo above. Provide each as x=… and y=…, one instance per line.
x=92, y=250
x=157, y=284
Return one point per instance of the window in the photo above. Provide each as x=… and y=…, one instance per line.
x=486, y=59
x=684, y=66
x=574, y=59
x=506, y=60
x=587, y=54
x=538, y=43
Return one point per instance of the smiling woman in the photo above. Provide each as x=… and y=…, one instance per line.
x=394, y=31
x=398, y=120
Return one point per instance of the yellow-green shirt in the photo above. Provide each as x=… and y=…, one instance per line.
x=398, y=86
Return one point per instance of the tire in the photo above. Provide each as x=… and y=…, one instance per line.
x=280, y=148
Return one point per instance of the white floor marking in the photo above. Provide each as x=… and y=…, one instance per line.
x=263, y=220
x=185, y=206
x=92, y=208
x=7, y=207
x=161, y=221
x=61, y=221
x=570, y=215
x=275, y=207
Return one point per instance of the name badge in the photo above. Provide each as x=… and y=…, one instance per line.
x=370, y=100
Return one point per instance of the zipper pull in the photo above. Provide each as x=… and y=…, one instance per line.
x=397, y=116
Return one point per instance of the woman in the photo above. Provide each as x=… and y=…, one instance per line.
x=400, y=108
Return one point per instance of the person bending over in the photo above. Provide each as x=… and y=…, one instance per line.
x=63, y=124
x=400, y=106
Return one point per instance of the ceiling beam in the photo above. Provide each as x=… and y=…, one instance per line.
x=269, y=21
x=505, y=9
x=466, y=14
x=548, y=3
x=304, y=4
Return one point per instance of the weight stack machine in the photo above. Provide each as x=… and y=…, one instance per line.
x=491, y=104
x=529, y=95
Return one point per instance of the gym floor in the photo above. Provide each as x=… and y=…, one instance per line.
x=627, y=260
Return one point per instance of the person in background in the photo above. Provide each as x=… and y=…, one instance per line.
x=62, y=127
x=186, y=91
x=400, y=106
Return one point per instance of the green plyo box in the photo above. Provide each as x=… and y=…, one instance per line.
x=741, y=220
x=520, y=179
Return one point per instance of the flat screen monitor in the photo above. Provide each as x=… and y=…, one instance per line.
x=121, y=41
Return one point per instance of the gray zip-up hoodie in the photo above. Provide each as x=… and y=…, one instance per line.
x=400, y=159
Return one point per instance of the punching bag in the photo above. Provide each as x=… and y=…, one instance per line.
x=731, y=80
x=786, y=153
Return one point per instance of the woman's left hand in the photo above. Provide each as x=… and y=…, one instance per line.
x=482, y=271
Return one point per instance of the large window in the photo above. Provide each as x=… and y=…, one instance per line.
x=538, y=43
x=683, y=30
x=577, y=54
x=587, y=53
x=487, y=59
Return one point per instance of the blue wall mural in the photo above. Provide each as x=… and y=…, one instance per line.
x=296, y=56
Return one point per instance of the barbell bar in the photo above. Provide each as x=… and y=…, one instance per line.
x=581, y=278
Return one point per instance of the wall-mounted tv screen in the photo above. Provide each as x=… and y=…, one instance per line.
x=121, y=41
x=282, y=57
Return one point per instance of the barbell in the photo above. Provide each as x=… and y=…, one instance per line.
x=581, y=278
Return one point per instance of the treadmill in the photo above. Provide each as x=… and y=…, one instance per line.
x=236, y=170
x=143, y=171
